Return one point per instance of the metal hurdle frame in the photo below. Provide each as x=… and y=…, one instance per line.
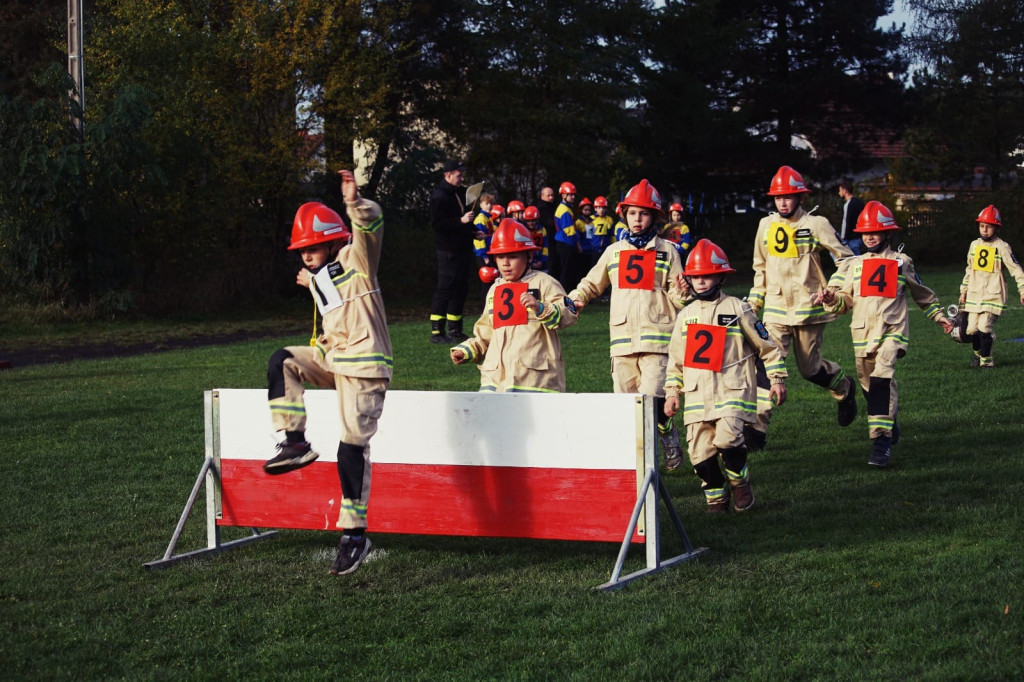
x=651, y=490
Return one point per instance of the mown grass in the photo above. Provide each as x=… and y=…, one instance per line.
x=840, y=571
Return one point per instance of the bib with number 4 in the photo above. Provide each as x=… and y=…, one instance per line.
x=705, y=347
x=325, y=293
x=782, y=240
x=879, y=277
x=984, y=259
x=508, y=310
x=636, y=269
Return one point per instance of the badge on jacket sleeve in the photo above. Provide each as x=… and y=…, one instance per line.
x=760, y=329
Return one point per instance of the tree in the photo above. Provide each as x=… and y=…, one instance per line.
x=969, y=90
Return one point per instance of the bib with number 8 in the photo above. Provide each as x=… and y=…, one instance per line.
x=879, y=277
x=782, y=241
x=985, y=259
x=705, y=347
x=508, y=310
x=636, y=269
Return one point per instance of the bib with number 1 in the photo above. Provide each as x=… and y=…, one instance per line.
x=782, y=241
x=879, y=277
x=508, y=309
x=705, y=346
x=984, y=259
x=636, y=268
x=325, y=293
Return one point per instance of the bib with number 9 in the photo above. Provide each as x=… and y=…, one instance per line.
x=636, y=269
x=985, y=259
x=705, y=347
x=508, y=310
x=782, y=241
x=879, y=277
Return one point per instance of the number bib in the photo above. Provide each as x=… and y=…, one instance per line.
x=705, y=347
x=636, y=269
x=325, y=293
x=782, y=240
x=879, y=277
x=985, y=259
x=508, y=310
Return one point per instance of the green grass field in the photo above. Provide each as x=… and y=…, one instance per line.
x=840, y=571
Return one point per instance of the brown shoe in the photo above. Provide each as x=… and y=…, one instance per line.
x=718, y=507
x=742, y=496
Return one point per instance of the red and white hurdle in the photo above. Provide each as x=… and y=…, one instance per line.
x=545, y=466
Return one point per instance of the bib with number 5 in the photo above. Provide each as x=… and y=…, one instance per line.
x=636, y=268
x=879, y=277
x=705, y=347
x=782, y=240
x=508, y=310
x=985, y=259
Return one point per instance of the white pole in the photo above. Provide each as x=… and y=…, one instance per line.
x=76, y=68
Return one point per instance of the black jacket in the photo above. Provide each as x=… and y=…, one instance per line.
x=447, y=206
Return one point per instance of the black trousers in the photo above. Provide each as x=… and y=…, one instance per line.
x=452, y=283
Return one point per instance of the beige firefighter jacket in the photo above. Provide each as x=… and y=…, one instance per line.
x=526, y=357
x=787, y=267
x=355, y=339
x=877, y=319
x=732, y=392
x=983, y=281
x=640, y=320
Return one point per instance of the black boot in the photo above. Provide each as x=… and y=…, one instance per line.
x=437, y=334
x=880, y=452
x=455, y=332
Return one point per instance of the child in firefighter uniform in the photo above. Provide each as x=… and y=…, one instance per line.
x=515, y=341
x=787, y=271
x=983, y=291
x=873, y=285
x=352, y=355
x=645, y=276
x=540, y=257
x=677, y=232
x=711, y=371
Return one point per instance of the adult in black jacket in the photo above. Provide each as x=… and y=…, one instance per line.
x=453, y=240
x=852, y=206
x=546, y=207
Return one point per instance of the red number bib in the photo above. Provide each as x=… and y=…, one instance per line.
x=705, y=347
x=879, y=277
x=636, y=269
x=508, y=310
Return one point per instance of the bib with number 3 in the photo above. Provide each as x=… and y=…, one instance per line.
x=984, y=259
x=324, y=292
x=705, y=347
x=636, y=269
x=879, y=277
x=782, y=241
x=508, y=310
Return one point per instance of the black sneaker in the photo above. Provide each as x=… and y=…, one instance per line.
x=289, y=457
x=848, y=405
x=350, y=554
x=880, y=452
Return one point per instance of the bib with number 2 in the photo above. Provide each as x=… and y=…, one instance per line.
x=636, y=269
x=508, y=310
x=782, y=241
x=879, y=277
x=984, y=259
x=705, y=347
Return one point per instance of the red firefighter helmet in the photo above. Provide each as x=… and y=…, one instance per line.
x=567, y=188
x=497, y=210
x=586, y=202
x=531, y=213
x=676, y=207
x=515, y=206
x=511, y=237
x=990, y=215
x=643, y=195
x=787, y=181
x=707, y=258
x=601, y=201
x=315, y=224
x=876, y=217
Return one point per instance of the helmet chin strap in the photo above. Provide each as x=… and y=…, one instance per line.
x=879, y=246
x=709, y=295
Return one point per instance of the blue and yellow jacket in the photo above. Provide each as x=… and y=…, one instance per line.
x=565, y=225
x=483, y=223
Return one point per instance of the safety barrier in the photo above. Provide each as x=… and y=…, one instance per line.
x=544, y=466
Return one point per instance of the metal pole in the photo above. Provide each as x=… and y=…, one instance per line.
x=76, y=67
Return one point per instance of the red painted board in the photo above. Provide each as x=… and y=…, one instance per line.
x=488, y=501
